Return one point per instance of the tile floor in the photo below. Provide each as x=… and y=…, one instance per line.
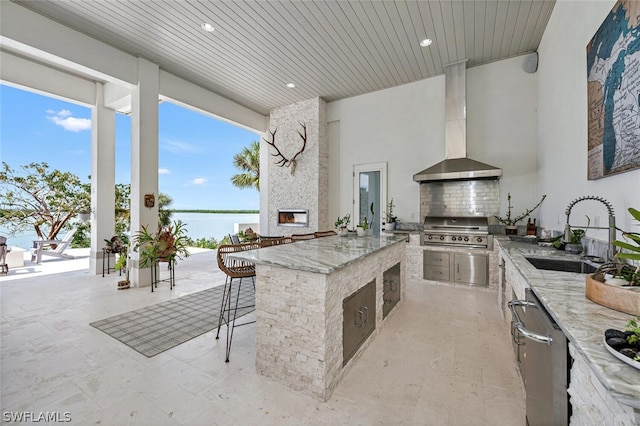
x=440, y=359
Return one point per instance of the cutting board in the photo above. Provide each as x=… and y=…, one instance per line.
x=623, y=299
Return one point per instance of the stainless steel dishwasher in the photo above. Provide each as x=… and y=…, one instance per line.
x=544, y=366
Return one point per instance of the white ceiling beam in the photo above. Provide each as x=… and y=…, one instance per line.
x=43, y=79
x=66, y=47
x=192, y=96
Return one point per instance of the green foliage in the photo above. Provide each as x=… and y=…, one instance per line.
x=634, y=240
x=121, y=262
x=578, y=234
x=632, y=244
x=343, y=222
x=389, y=216
x=164, y=214
x=207, y=243
x=633, y=326
x=166, y=243
x=248, y=161
x=123, y=211
x=45, y=200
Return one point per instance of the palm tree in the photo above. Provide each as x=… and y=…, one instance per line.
x=164, y=214
x=248, y=160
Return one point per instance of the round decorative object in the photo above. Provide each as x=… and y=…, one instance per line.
x=511, y=230
x=124, y=284
x=573, y=248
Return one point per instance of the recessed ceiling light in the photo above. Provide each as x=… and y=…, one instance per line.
x=291, y=85
x=207, y=27
x=426, y=42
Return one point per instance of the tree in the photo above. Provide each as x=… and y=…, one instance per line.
x=164, y=214
x=39, y=198
x=248, y=160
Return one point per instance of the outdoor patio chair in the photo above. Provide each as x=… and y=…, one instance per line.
x=324, y=234
x=239, y=271
x=234, y=238
x=300, y=237
x=4, y=268
x=61, y=245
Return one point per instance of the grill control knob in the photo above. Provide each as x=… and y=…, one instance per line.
x=479, y=239
x=453, y=238
x=466, y=238
x=430, y=237
x=442, y=237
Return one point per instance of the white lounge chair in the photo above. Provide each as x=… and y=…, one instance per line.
x=61, y=245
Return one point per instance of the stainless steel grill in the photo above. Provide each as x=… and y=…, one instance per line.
x=462, y=231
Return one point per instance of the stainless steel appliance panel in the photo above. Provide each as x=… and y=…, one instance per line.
x=436, y=273
x=545, y=365
x=471, y=269
x=436, y=258
x=359, y=319
x=391, y=289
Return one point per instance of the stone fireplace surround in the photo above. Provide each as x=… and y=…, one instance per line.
x=308, y=184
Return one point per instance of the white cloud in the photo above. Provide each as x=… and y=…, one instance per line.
x=64, y=119
x=199, y=181
x=178, y=147
x=162, y=171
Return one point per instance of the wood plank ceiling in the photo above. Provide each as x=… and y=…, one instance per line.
x=327, y=48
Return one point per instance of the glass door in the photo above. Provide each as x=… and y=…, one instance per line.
x=370, y=194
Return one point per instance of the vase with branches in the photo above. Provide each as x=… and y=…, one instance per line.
x=511, y=220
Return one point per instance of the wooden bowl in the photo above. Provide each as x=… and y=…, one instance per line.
x=623, y=299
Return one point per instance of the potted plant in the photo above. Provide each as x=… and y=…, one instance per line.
x=616, y=285
x=166, y=244
x=362, y=227
x=121, y=263
x=511, y=221
x=632, y=244
x=389, y=218
x=574, y=245
x=342, y=224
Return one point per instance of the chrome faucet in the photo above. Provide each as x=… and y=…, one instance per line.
x=611, y=251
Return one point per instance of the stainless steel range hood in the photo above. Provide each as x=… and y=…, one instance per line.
x=456, y=165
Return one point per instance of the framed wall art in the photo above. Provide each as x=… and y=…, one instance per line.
x=613, y=92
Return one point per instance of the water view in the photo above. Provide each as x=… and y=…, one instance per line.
x=198, y=225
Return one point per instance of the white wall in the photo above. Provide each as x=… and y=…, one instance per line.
x=502, y=129
x=405, y=126
x=562, y=124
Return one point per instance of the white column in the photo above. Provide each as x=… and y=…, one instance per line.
x=103, y=155
x=144, y=159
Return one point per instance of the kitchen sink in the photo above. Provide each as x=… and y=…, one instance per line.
x=563, y=265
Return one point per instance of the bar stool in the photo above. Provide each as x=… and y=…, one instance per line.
x=268, y=242
x=235, y=270
x=300, y=237
x=320, y=234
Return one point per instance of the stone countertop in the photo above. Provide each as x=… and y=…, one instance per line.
x=582, y=321
x=322, y=255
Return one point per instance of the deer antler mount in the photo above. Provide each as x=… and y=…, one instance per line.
x=282, y=160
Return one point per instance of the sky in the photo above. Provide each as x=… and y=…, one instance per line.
x=195, y=156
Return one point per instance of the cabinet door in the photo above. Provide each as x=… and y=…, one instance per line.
x=359, y=319
x=391, y=288
x=471, y=269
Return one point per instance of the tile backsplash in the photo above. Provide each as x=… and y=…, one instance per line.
x=480, y=197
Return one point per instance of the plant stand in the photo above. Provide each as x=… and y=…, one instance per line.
x=155, y=275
